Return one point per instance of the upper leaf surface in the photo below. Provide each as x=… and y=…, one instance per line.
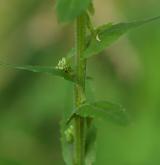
x=67, y=148
x=68, y=10
x=90, y=155
x=103, y=110
x=107, y=34
x=44, y=69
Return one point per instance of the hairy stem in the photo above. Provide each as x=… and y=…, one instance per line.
x=80, y=123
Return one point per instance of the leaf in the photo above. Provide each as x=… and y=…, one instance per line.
x=67, y=148
x=90, y=155
x=43, y=69
x=89, y=91
x=103, y=110
x=91, y=9
x=68, y=10
x=108, y=34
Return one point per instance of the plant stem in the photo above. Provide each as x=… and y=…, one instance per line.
x=80, y=123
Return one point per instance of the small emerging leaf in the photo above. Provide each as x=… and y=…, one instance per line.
x=103, y=110
x=107, y=34
x=68, y=10
x=43, y=69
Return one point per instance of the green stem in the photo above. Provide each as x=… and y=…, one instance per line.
x=80, y=123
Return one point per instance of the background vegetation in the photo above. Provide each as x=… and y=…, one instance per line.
x=31, y=105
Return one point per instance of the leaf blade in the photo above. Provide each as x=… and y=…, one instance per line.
x=90, y=154
x=103, y=110
x=68, y=10
x=109, y=34
x=42, y=69
x=67, y=148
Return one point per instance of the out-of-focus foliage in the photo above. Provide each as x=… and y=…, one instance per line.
x=31, y=105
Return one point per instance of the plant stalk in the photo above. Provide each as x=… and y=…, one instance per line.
x=80, y=123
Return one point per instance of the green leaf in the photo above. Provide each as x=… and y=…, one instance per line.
x=90, y=155
x=68, y=10
x=89, y=91
x=108, y=34
x=67, y=147
x=103, y=110
x=43, y=69
x=66, y=136
x=91, y=9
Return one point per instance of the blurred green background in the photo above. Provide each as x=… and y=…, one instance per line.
x=31, y=105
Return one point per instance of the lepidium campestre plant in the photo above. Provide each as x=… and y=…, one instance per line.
x=78, y=130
